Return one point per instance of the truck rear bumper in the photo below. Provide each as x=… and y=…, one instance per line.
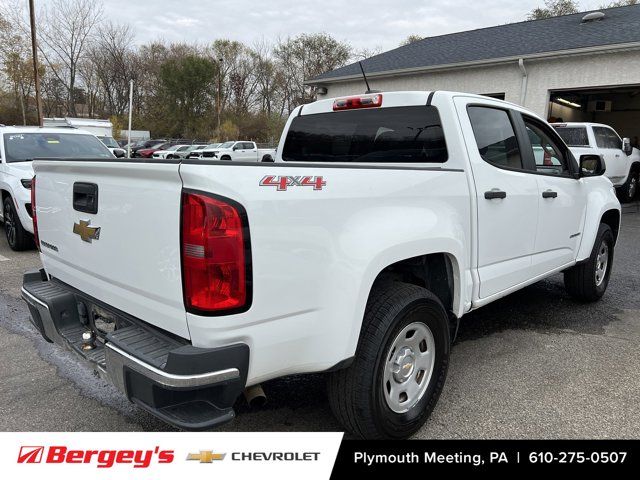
x=188, y=387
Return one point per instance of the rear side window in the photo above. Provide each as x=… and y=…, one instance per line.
x=574, y=136
x=380, y=135
x=495, y=137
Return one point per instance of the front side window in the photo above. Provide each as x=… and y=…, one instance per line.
x=495, y=137
x=607, y=138
x=376, y=135
x=546, y=152
x=24, y=147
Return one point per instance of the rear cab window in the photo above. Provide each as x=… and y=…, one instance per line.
x=24, y=147
x=411, y=134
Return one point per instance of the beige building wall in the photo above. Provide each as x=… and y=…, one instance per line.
x=615, y=68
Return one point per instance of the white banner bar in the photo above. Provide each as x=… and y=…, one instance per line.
x=162, y=455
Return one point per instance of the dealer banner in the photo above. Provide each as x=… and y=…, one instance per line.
x=162, y=455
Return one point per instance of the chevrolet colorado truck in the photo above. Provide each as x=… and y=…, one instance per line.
x=621, y=160
x=18, y=147
x=384, y=219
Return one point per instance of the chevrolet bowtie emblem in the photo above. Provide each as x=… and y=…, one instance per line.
x=206, y=456
x=86, y=232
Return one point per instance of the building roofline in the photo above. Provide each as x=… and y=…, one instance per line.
x=476, y=63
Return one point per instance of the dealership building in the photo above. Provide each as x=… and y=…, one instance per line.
x=581, y=67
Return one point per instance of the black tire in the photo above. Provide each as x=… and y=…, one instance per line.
x=356, y=394
x=628, y=191
x=580, y=281
x=225, y=157
x=17, y=237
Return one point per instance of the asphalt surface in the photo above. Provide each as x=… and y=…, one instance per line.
x=533, y=365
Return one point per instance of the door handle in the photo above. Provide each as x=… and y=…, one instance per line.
x=549, y=194
x=495, y=193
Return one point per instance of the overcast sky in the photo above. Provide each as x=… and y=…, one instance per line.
x=364, y=24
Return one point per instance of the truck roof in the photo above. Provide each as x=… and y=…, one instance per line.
x=400, y=98
x=579, y=124
x=36, y=129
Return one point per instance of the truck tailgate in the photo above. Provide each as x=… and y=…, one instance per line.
x=133, y=262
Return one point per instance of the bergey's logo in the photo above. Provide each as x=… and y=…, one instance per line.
x=87, y=233
x=30, y=454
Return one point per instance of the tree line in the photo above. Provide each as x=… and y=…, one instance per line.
x=218, y=90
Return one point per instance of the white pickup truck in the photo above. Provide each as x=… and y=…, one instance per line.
x=622, y=161
x=18, y=147
x=383, y=220
x=239, y=152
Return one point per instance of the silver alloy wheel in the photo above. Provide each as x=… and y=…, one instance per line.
x=408, y=367
x=633, y=185
x=9, y=226
x=602, y=262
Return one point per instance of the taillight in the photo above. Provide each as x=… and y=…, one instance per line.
x=361, y=101
x=34, y=215
x=215, y=266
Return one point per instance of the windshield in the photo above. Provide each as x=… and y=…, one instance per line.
x=382, y=135
x=109, y=142
x=226, y=145
x=574, y=136
x=23, y=147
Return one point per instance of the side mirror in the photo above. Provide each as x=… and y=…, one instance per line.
x=119, y=152
x=626, y=146
x=236, y=147
x=591, y=165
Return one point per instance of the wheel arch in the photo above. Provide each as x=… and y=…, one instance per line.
x=439, y=272
x=612, y=218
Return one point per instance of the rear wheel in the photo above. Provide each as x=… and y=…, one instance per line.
x=17, y=237
x=400, y=365
x=588, y=281
x=628, y=191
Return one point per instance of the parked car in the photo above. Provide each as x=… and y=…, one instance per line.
x=171, y=151
x=113, y=146
x=148, y=152
x=211, y=150
x=622, y=161
x=196, y=150
x=147, y=145
x=385, y=218
x=241, y=152
x=18, y=147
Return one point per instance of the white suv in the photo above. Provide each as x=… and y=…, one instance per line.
x=20, y=145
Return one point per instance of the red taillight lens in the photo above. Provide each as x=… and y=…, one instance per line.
x=366, y=101
x=214, y=260
x=34, y=215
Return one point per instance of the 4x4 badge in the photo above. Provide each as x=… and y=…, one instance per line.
x=86, y=232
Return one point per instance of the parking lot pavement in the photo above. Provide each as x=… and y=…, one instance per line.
x=535, y=364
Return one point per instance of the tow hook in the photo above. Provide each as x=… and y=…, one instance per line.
x=88, y=340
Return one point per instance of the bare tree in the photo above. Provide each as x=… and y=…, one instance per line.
x=110, y=63
x=554, y=8
x=66, y=32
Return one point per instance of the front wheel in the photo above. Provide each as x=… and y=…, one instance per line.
x=627, y=192
x=400, y=364
x=17, y=237
x=588, y=281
